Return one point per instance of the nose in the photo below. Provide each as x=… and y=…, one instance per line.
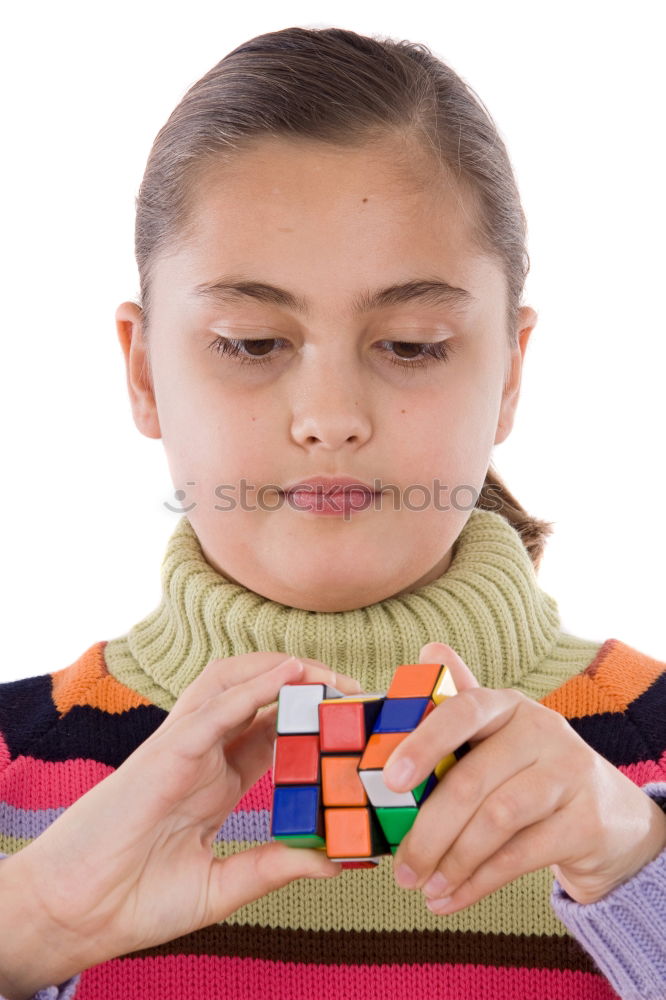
x=330, y=424
x=331, y=410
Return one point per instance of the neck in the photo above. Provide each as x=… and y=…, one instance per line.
x=486, y=604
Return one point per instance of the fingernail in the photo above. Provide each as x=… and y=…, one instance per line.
x=293, y=659
x=400, y=772
x=437, y=905
x=406, y=877
x=435, y=885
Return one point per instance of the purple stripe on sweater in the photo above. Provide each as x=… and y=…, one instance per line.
x=27, y=823
x=252, y=824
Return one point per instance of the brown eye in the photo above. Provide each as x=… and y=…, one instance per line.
x=259, y=351
x=425, y=354
x=412, y=350
x=258, y=348
x=236, y=349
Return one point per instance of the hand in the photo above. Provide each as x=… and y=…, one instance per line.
x=530, y=793
x=129, y=864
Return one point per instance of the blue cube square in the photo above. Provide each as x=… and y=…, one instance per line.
x=296, y=810
x=400, y=715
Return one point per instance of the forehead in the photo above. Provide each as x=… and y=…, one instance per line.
x=322, y=184
x=304, y=212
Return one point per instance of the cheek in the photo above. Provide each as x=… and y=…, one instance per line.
x=452, y=436
x=234, y=450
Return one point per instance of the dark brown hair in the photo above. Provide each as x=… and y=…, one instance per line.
x=338, y=87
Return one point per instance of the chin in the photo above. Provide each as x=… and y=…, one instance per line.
x=321, y=593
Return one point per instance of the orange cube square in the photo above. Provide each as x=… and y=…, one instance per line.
x=414, y=680
x=348, y=833
x=340, y=782
x=379, y=748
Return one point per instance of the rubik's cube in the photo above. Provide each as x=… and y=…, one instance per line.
x=330, y=750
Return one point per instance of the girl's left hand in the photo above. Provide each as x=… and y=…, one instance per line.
x=530, y=793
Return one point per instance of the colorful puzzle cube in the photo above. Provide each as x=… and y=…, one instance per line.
x=329, y=754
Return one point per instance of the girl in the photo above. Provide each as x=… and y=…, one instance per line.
x=332, y=256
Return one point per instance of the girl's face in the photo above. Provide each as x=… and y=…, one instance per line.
x=336, y=386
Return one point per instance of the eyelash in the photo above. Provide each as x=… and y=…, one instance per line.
x=231, y=347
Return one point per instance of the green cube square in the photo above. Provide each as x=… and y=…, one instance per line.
x=396, y=821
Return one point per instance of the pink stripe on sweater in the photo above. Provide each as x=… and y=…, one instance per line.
x=30, y=783
x=47, y=784
x=205, y=977
x=260, y=795
x=645, y=771
x=5, y=757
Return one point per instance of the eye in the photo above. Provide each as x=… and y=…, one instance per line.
x=234, y=348
x=440, y=351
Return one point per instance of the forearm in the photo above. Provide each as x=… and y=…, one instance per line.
x=33, y=953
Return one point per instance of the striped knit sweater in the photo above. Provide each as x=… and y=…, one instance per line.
x=357, y=935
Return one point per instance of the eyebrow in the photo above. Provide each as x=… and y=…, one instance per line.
x=427, y=291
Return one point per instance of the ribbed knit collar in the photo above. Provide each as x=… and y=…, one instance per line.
x=487, y=605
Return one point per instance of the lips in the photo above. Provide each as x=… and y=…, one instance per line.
x=328, y=486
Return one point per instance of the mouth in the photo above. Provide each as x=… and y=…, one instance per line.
x=330, y=500
x=328, y=491
x=329, y=486
x=333, y=499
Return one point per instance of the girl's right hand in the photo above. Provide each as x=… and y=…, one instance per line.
x=129, y=865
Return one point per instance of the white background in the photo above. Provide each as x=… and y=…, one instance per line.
x=577, y=91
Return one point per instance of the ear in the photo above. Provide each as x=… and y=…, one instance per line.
x=527, y=319
x=129, y=324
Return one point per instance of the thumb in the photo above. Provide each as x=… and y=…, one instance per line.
x=244, y=877
x=439, y=652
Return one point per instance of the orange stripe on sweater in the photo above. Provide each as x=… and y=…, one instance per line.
x=617, y=676
x=87, y=681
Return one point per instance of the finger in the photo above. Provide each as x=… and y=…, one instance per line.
x=223, y=673
x=535, y=847
x=477, y=712
x=232, y=735
x=247, y=875
x=522, y=801
x=251, y=754
x=220, y=716
x=268, y=713
x=439, y=652
x=219, y=675
x=463, y=678
x=463, y=793
x=311, y=674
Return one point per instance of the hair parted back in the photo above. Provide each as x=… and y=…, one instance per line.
x=338, y=87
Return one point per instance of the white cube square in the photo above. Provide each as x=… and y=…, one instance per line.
x=298, y=708
x=380, y=794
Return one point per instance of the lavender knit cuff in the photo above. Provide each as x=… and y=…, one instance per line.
x=65, y=991
x=625, y=931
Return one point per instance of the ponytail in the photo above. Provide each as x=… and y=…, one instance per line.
x=533, y=531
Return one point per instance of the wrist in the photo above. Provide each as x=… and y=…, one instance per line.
x=659, y=823
x=34, y=952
